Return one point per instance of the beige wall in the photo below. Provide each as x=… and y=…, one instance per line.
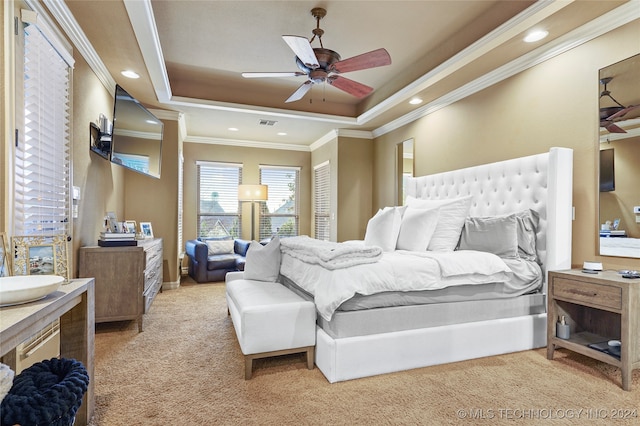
x=355, y=174
x=552, y=104
x=251, y=159
x=154, y=200
x=101, y=183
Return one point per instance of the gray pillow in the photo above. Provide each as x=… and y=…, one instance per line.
x=497, y=235
x=528, y=221
x=263, y=262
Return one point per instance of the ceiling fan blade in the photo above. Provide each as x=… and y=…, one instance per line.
x=272, y=74
x=613, y=128
x=300, y=92
x=622, y=112
x=375, y=58
x=354, y=88
x=303, y=50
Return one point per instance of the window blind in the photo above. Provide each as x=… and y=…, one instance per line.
x=322, y=202
x=280, y=213
x=42, y=204
x=218, y=210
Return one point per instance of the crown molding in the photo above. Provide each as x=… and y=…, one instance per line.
x=599, y=26
x=70, y=26
x=144, y=27
x=495, y=38
x=246, y=143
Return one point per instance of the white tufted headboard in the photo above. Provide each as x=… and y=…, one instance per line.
x=542, y=182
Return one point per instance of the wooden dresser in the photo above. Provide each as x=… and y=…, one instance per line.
x=127, y=278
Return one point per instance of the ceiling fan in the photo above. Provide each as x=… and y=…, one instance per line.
x=609, y=115
x=322, y=65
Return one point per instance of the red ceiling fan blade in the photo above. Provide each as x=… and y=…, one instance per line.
x=622, y=112
x=300, y=92
x=354, y=88
x=303, y=50
x=271, y=74
x=373, y=59
x=613, y=128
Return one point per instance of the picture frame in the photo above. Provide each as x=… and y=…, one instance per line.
x=5, y=256
x=41, y=255
x=146, y=229
x=130, y=226
x=113, y=222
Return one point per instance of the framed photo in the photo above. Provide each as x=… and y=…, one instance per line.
x=146, y=229
x=5, y=256
x=40, y=255
x=130, y=226
x=113, y=221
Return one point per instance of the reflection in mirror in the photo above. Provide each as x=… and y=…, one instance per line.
x=404, y=168
x=619, y=158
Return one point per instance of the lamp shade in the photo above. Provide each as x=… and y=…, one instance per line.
x=253, y=192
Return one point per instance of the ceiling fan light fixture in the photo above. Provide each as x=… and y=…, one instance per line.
x=535, y=35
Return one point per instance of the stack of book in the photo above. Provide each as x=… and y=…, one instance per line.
x=117, y=239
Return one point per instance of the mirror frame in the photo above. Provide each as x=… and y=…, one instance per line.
x=624, y=87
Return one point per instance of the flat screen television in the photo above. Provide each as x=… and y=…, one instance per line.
x=136, y=139
x=607, y=171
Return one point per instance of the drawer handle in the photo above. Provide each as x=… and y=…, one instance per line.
x=583, y=293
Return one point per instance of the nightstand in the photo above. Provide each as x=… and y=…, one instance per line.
x=598, y=308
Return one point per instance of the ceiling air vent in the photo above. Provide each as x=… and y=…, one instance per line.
x=267, y=122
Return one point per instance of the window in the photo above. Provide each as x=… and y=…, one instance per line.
x=219, y=212
x=322, y=202
x=279, y=214
x=42, y=173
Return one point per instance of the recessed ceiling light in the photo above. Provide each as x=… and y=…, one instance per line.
x=282, y=134
x=535, y=35
x=233, y=129
x=415, y=101
x=130, y=74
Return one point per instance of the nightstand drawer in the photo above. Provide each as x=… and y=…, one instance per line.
x=591, y=294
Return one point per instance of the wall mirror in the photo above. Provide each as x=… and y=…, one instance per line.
x=619, y=159
x=404, y=168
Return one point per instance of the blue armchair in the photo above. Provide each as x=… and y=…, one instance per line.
x=207, y=268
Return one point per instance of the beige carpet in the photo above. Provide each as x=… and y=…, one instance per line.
x=186, y=368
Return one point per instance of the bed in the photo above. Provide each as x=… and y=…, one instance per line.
x=361, y=335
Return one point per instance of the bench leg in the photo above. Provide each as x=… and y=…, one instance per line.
x=248, y=367
x=248, y=359
x=310, y=357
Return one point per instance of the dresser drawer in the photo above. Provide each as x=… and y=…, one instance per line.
x=590, y=294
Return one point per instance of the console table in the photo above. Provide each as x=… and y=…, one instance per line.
x=73, y=303
x=598, y=308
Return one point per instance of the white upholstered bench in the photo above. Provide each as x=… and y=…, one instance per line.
x=270, y=320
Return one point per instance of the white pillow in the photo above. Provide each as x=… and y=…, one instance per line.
x=417, y=228
x=451, y=218
x=383, y=228
x=219, y=246
x=263, y=262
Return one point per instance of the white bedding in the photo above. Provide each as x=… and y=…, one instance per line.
x=330, y=255
x=395, y=271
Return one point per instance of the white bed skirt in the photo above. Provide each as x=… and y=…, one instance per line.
x=363, y=356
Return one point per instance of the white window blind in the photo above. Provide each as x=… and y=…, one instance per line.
x=322, y=202
x=280, y=213
x=42, y=154
x=219, y=212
